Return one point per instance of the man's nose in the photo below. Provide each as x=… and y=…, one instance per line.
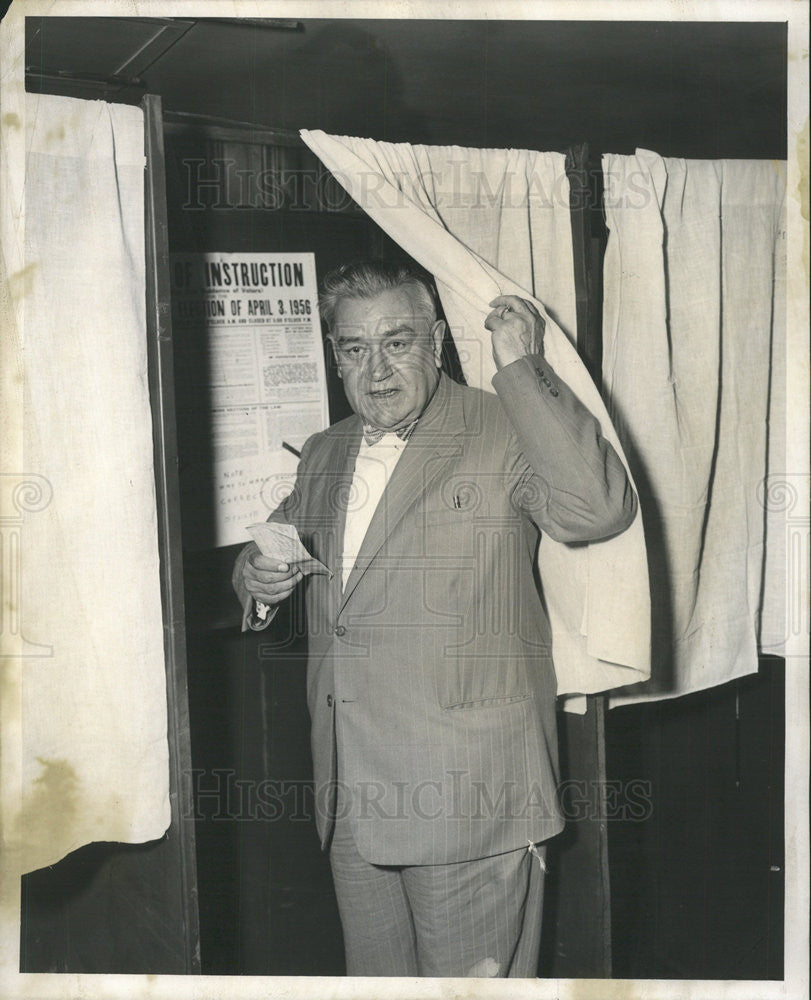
x=379, y=367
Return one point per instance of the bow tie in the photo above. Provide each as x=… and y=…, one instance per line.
x=372, y=434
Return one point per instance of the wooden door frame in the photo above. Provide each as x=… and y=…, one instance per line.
x=162, y=402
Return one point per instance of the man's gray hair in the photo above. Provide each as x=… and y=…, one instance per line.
x=367, y=279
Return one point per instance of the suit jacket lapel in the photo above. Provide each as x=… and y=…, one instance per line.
x=335, y=482
x=442, y=419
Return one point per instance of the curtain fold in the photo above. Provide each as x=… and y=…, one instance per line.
x=693, y=342
x=94, y=736
x=491, y=222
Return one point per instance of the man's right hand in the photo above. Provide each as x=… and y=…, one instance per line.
x=268, y=580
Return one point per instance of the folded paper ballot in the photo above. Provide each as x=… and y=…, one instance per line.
x=281, y=541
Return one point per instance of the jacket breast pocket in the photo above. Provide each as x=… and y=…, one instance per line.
x=446, y=515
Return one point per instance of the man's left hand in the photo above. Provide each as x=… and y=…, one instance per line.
x=517, y=329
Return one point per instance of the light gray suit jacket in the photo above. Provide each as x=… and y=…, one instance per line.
x=430, y=679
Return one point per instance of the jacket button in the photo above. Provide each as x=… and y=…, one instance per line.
x=329, y=701
x=340, y=630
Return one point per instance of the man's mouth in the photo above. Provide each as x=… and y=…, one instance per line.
x=383, y=393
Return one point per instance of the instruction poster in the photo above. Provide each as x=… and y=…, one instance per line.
x=250, y=383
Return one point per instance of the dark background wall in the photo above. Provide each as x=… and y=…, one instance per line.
x=693, y=89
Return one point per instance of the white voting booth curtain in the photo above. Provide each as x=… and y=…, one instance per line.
x=94, y=738
x=490, y=222
x=693, y=369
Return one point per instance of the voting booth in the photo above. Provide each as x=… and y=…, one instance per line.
x=165, y=824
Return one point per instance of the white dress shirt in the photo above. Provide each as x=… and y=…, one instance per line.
x=373, y=468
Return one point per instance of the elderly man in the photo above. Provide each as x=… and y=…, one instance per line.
x=430, y=680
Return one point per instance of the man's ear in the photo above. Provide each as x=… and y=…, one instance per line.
x=437, y=336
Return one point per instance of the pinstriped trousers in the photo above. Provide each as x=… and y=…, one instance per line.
x=472, y=918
